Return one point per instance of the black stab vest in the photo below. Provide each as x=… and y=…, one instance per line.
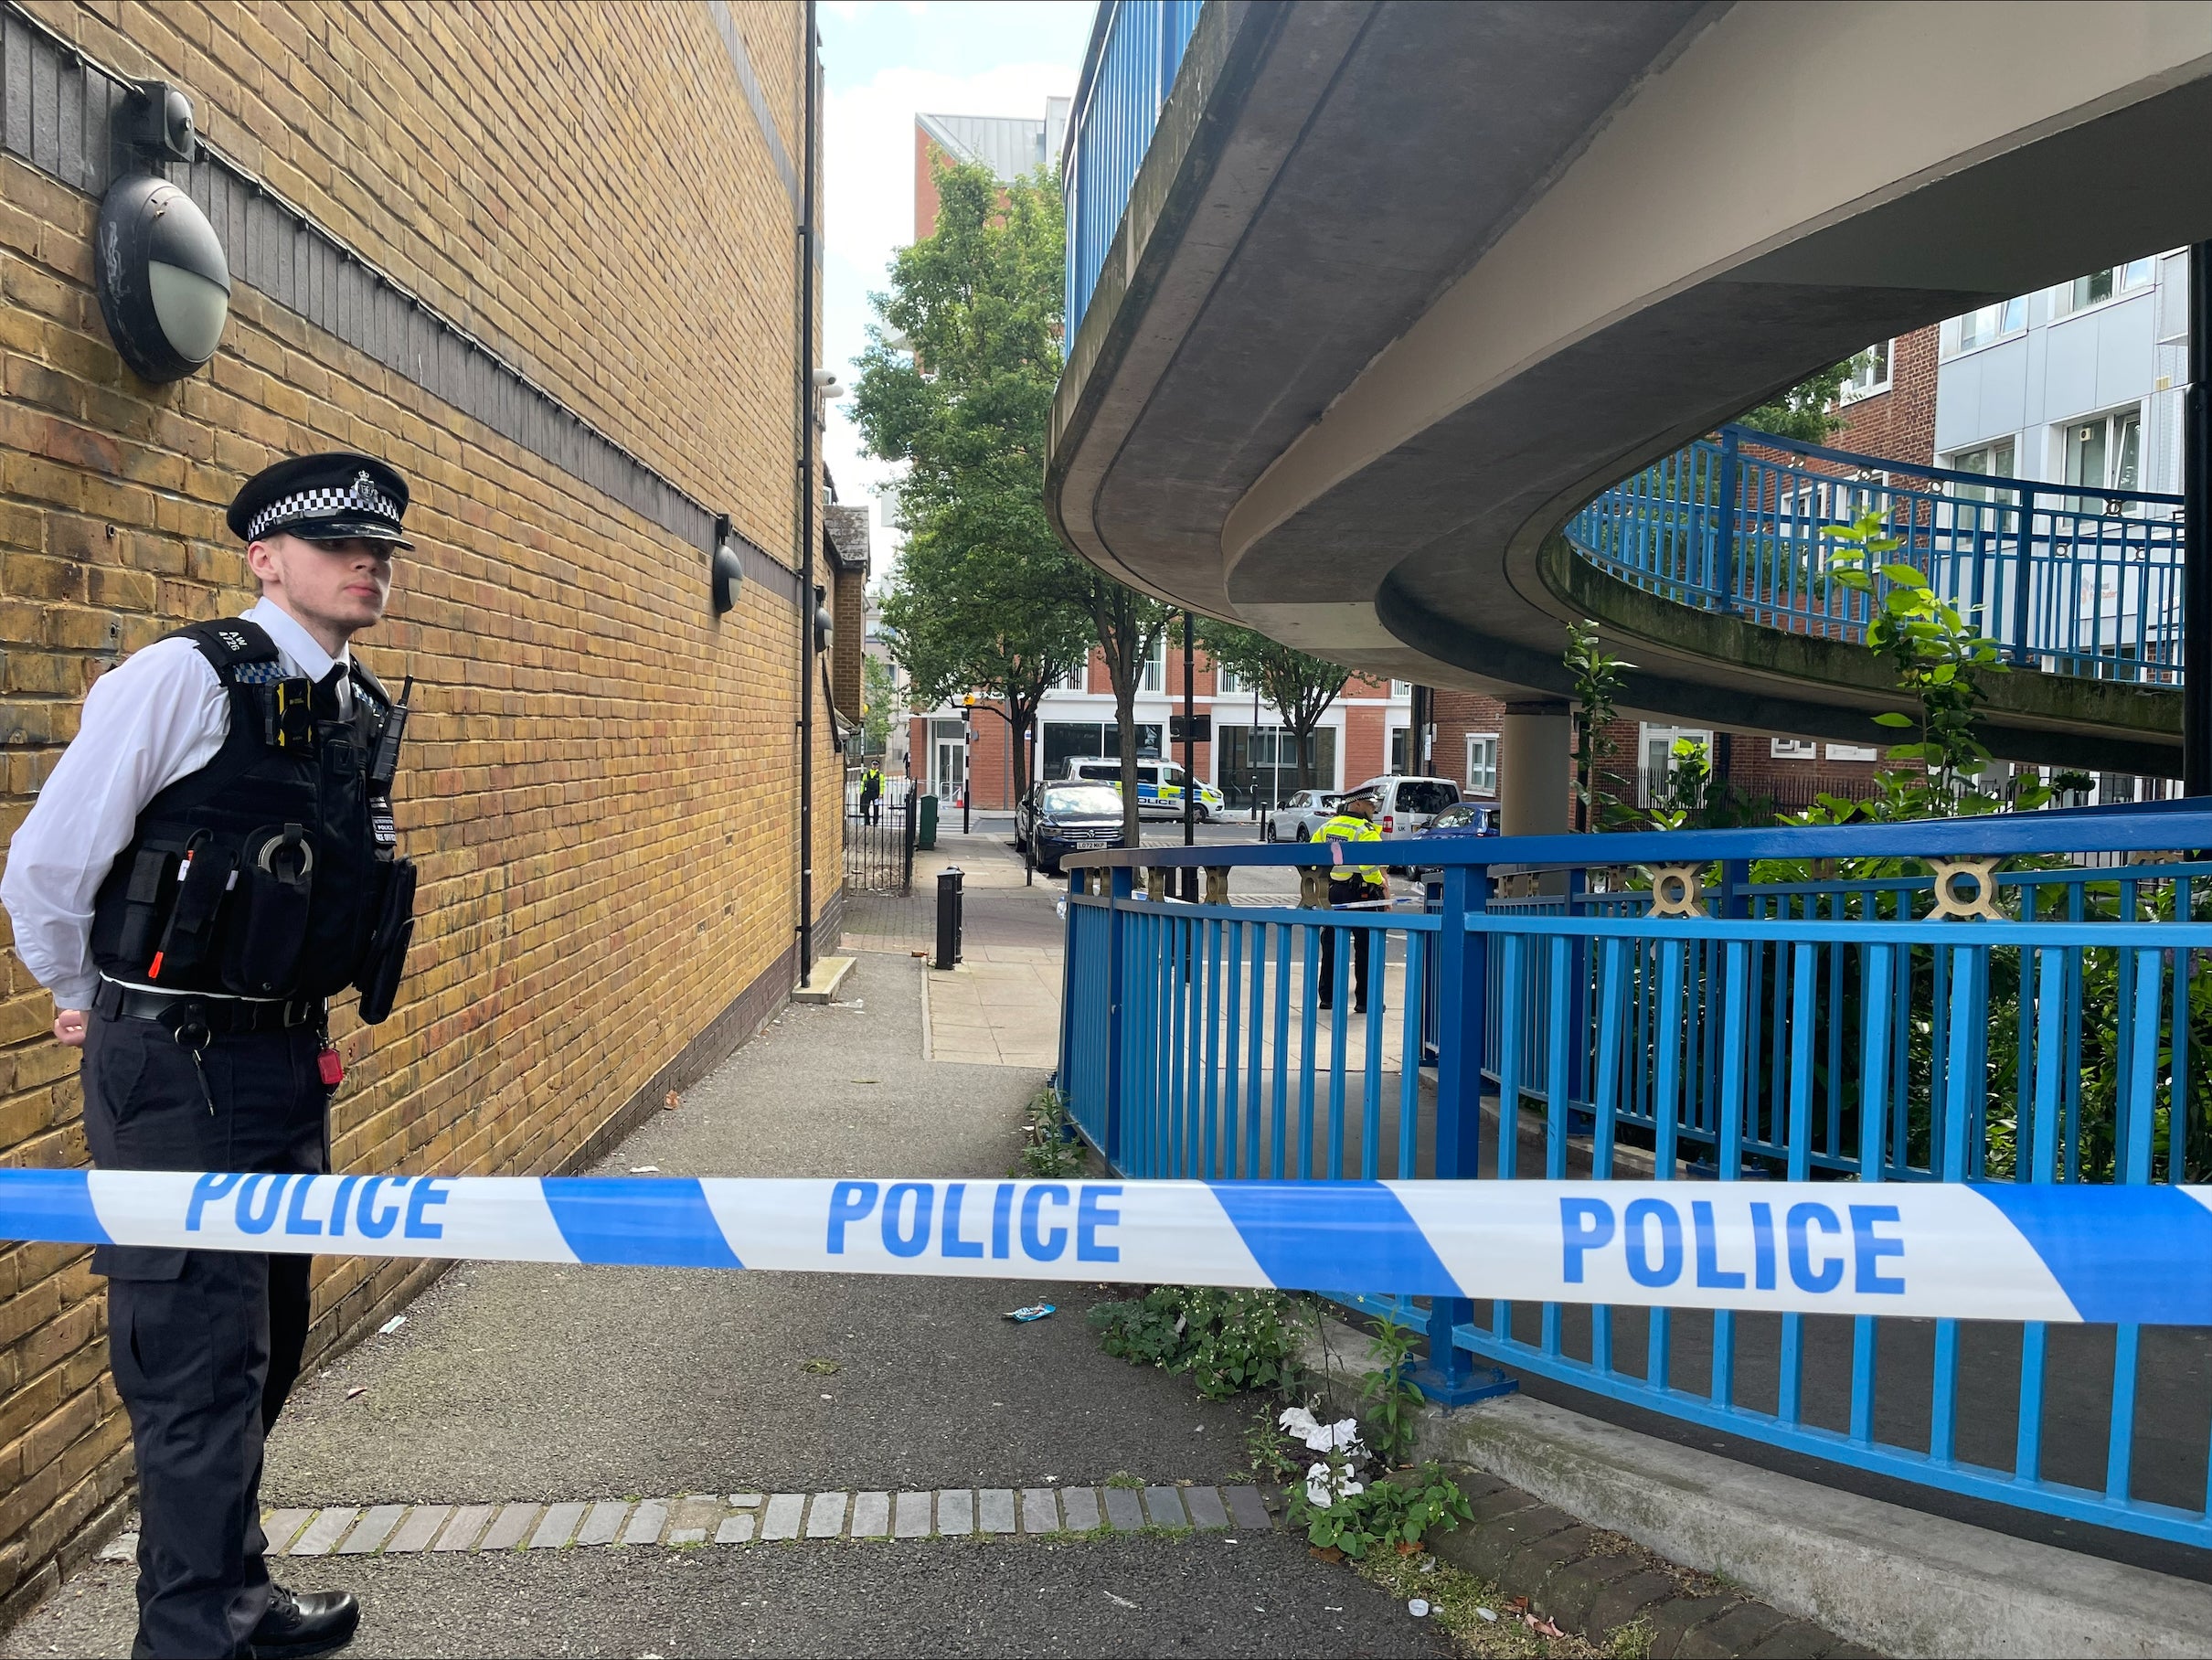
x=290, y=854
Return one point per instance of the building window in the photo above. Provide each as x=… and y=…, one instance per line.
x=1482, y=763
x=1401, y=688
x=1990, y=322
x=2098, y=286
x=1066, y=741
x=1795, y=748
x=1155, y=666
x=1078, y=679
x=2105, y=453
x=1398, y=751
x=1853, y=751
x=1869, y=372
x=1659, y=758
x=1228, y=683
x=1993, y=460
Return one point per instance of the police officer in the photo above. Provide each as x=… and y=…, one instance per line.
x=871, y=792
x=213, y=856
x=1350, y=885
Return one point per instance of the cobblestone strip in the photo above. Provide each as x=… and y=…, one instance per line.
x=745, y=1519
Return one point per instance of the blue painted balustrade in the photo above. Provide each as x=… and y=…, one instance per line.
x=1819, y=1013
x=2069, y=583
x=1136, y=48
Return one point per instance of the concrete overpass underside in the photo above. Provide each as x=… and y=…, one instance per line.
x=1400, y=286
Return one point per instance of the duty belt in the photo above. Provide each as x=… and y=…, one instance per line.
x=220, y=1016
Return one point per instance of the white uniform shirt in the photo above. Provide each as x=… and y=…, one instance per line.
x=157, y=717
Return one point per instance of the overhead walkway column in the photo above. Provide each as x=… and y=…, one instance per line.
x=1535, y=780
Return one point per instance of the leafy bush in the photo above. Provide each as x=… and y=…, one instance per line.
x=1226, y=1341
x=1396, y=1512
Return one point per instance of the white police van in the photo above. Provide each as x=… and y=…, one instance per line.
x=1160, y=786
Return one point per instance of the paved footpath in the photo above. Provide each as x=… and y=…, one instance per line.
x=568, y=1461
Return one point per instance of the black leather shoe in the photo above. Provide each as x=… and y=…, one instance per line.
x=301, y=1623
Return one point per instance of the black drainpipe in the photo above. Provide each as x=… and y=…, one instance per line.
x=806, y=518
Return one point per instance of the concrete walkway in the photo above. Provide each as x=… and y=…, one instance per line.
x=551, y=1388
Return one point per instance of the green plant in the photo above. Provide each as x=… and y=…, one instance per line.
x=1268, y=1451
x=1390, y=1403
x=1597, y=677
x=1226, y=1342
x=1051, y=1149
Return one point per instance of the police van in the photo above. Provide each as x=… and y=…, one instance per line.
x=1160, y=786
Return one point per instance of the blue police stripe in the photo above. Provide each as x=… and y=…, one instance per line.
x=663, y=1223
x=49, y=1205
x=1342, y=1237
x=2136, y=1254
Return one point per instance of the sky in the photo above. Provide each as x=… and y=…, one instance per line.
x=883, y=62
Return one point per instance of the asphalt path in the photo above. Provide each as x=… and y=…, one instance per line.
x=1139, y=1596
x=520, y=1382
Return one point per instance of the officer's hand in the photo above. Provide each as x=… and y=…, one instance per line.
x=68, y=1026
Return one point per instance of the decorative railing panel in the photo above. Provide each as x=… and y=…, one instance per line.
x=2073, y=583
x=1110, y=128
x=2038, y=1021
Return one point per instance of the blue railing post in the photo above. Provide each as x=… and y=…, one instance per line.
x=1725, y=517
x=1121, y=887
x=1449, y=1375
x=2023, y=569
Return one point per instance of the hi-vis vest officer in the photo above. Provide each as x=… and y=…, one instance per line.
x=1350, y=885
x=214, y=856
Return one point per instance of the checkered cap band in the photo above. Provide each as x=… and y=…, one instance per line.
x=361, y=496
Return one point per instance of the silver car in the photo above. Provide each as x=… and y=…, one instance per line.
x=1298, y=817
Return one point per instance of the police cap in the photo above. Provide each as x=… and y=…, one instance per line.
x=323, y=498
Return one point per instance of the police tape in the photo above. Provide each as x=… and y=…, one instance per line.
x=1988, y=1250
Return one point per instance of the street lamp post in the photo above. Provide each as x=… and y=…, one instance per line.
x=967, y=760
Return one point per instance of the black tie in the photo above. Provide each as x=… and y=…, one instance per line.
x=326, y=705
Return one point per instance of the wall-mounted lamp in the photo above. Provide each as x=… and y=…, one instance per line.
x=727, y=570
x=163, y=278
x=825, y=624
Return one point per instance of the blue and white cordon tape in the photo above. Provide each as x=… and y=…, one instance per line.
x=1987, y=1251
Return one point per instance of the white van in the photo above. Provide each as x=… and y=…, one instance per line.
x=1159, y=785
x=1404, y=803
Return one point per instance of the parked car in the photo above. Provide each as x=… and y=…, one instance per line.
x=1298, y=817
x=1459, y=820
x=1159, y=785
x=1054, y=820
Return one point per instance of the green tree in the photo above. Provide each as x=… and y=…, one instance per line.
x=879, y=700
x=965, y=399
x=1299, y=685
x=1805, y=411
x=1597, y=677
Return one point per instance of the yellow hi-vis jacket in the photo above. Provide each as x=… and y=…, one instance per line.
x=1347, y=827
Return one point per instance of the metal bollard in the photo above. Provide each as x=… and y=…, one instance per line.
x=948, y=917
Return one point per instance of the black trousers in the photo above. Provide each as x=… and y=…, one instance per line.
x=1345, y=893
x=205, y=1345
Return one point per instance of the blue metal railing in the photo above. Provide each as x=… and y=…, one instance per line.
x=1818, y=1022
x=1136, y=47
x=2070, y=582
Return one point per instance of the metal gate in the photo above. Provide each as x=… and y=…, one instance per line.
x=878, y=834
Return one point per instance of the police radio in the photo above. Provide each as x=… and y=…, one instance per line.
x=384, y=766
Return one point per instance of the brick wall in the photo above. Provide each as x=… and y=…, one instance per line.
x=1898, y=424
x=601, y=778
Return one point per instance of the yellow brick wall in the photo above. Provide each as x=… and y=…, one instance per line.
x=601, y=776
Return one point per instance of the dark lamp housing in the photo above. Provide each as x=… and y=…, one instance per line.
x=164, y=285
x=726, y=569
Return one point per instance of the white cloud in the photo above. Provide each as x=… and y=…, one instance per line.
x=868, y=211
